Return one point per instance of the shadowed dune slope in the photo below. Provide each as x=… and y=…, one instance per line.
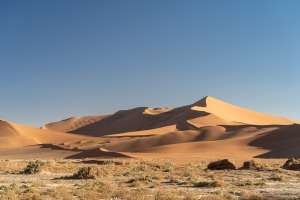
x=210, y=133
x=136, y=120
x=235, y=147
x=97, y=152
x=203, y=134
x=15, y=135
x=283, y=142
x=237, y=141
x=73, y=123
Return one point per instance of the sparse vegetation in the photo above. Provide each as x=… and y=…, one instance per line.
x=276, y=177
x=87, y=173
x=34, y=167
x=207, y=184
x=251, y=165
x=135, y=179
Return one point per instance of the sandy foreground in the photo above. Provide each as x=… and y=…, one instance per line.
x=147, y=179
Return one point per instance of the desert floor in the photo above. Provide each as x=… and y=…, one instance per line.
x=158, y=178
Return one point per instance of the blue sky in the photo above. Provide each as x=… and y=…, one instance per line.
x=62, y=58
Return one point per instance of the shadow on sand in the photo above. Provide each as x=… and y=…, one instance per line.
x=282, y=143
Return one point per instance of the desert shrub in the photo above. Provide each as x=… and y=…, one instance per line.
x=34, y=167
x=141, y=181
x=207, y=184
x=139, y=167
x=142, y=178
x=251, y=165
x=165, y=167
x=87, y=173
x=276, y=177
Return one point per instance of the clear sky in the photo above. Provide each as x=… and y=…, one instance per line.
x=62, y=58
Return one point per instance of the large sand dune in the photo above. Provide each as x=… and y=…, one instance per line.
x=206, y=112
x=207, y=128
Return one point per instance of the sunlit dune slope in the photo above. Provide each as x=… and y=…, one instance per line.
x=73, y=123
x=236, y=114
x=15, y=135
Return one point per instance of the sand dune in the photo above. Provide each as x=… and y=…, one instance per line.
x=206, y=128
x=218, y=134
x=73, y=123
x=231, y=148
x=15, y=135
x=241, y=141
x=283, y=142
x=223, y=147
x=206, y=112
x=203, y=134
x=236, y=114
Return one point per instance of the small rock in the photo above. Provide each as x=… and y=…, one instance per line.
x=221, y=164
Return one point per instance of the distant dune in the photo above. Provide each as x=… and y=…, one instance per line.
x=206, y=112
x=73, y=123
x=16, y=135
x=207, y=128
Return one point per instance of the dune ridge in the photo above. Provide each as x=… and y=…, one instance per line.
x=236, y=114
x=208, y=127
x=73, y=123
x=206, y=112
